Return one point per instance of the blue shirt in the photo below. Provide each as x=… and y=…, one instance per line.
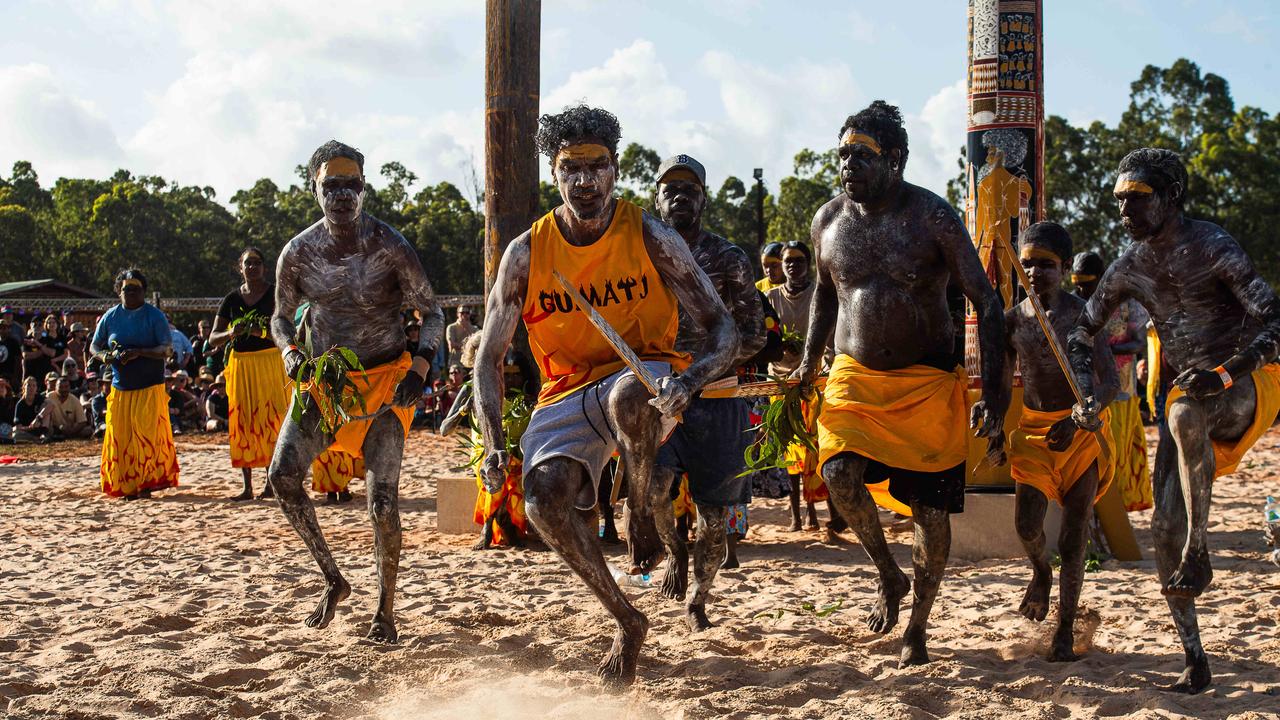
x=182, y=349
x=141, y=328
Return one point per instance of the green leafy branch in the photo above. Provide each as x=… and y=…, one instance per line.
x=517, y=409
x=329, y=387
x=252, y=322
x=806, y=608
x=792, y=341
x=781, y=426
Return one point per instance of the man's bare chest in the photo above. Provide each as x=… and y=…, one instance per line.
x=362, y=278
x=857, y=252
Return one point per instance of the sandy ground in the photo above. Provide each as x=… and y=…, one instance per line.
x=189, y=606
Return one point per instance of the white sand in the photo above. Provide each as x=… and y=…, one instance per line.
x=190, y=606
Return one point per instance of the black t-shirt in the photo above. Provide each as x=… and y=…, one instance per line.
x=6, y=408
x=10, y=357
x=233, y=306
x=43, y=364
x=24, y=414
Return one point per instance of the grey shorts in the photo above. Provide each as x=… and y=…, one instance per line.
x=577, y=428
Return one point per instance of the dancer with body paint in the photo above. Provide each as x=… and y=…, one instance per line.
x=357, y=272
x=1219, y=326
x=633, y=269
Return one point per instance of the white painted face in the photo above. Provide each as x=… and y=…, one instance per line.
x=586, y=174
x=340, y=190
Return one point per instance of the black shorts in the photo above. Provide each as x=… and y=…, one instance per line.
x=942, y=489
x=709, y=446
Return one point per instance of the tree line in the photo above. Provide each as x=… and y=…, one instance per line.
x=81, y=231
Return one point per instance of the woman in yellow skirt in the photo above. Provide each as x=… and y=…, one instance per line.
x=332, y=471
x=137, y=451
x=257, y=388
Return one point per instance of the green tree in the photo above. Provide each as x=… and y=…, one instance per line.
x=801, y=195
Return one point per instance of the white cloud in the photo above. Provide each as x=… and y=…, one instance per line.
x=1232, y=23
x=60, y=134
x=936, y=135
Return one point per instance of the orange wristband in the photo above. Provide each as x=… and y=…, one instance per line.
x=1224, y=376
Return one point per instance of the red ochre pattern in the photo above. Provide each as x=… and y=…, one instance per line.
x=510, y=494
x=333, y=470
x=257, y=394
x=137, y=451
x=683, y=504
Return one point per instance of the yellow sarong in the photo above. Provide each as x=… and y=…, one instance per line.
x=1228, y=453
x=378, y=387
x=333, y=470
x=137, y=451
x=804, y=462
x=511, y=494
x=1129, y=454
x=1155, y=359
x=257, y=398
x=912, y=418
x=1031, y=462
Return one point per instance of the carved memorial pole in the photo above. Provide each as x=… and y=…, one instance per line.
x=1005, y=148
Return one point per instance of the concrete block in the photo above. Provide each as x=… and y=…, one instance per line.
x=985, y=529
x=455, y=505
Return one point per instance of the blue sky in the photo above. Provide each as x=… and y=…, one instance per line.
x=222, y=93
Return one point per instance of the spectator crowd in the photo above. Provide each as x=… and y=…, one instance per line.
x=52, y=388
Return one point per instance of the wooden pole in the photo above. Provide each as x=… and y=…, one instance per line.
x=511, y=117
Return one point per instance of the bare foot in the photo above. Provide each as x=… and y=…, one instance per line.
x=695, y=616
x=1192, y=576
x=885, y=615
x=1061, y=650
x=383, y=630
x=1035, y=602
x=334, y=593
x=344, y=496
x=618, y=669
x=913, y=650
x=795, y=525
x=331, y=498
x=675, y=581
x=246, y=495
x=267, y=493
x=1194, y=679
x=730, y=562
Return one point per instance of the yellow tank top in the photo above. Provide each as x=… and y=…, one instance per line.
x=617, y=277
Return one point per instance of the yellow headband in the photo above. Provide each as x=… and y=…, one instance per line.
x=131, y=282
x=857, y=138
x=680, y=174
x=772, y=261
x=1133, y=186
x=584, y=152
x=790, y=251
x=339, y=166
x=1078, y=278
x=1031, y=252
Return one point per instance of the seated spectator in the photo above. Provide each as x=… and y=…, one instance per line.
x=98, y=405
x=64, y=416
x=78, y=345
x=10, y=355
x=7, y=404
x=216, y=406
x=50, y=384
x=182, y=350
x=71, y=371
x=184, y=408
x=28, y=417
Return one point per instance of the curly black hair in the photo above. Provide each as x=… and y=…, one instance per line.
x=129, y=274
x=1051, y=236
x=1089, y=263
x=1164, y=166
x=329, y=151
x=883, y=122
x=574, y=124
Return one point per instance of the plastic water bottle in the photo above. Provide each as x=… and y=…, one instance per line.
x=1272, y=513
x=626, y=580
